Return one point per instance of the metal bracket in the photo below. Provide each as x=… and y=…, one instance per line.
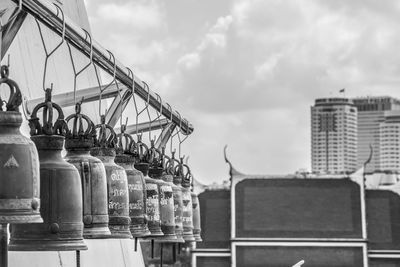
x=88, y=95
x=145, y=126
x=10, y=30
x=165, y=135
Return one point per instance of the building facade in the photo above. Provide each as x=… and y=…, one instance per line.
x=371, y=114
x=389, y=139
x=333, y=136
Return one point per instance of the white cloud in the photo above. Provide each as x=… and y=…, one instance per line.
x=136, y=15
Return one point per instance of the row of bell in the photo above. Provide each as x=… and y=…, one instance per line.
x=52, y=203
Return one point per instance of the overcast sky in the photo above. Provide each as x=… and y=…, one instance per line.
x=245, y=72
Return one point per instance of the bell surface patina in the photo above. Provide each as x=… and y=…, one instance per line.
x=168, y=176
x=167, y=216
x=187, y=202
x=152, y=190
x=60, y=190
x=196, y=217
x=117, y=182
x=19, y=163
x=136, y=185
x=79, y=141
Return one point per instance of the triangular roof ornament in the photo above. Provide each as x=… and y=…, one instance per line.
x=232, y=170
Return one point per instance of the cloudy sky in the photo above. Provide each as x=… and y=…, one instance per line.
x=245, y=72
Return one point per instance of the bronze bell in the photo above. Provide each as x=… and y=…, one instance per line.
x=187, y=201
x=196, y=217
x=60, y=189
x=167, y=215
x=168, y=177
x=78, y=143
x=19, y=163
x=136, y=184
x=152, y=190
x=117, y=182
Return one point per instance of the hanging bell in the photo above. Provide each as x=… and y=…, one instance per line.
x=152, y=190
x=78, y=143
x=19, y=163
x=168, y=177
x=167, y=215
x=136, y=185
x=187, y=202
x=60, y=190
x=196, y=217
x=117, y=182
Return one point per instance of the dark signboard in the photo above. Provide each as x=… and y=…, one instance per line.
x=383, y=217
x=280, y=256
x=213, y=261
x=298, y=208
x=215, y=219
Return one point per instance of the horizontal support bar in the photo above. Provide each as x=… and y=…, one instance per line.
x=46, y=12
x=144, y=126
x=88, y=95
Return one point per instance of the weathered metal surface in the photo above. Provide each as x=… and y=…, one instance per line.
x=187, y=203
x=152, y=190
x=168, y=177
x=19, y=163
x=60, y=190
x=117, y=181
x=167, y=215
x=78, y=143
x=136, y=185
x=196, y=218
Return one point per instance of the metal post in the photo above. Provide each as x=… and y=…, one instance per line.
x=161, y=254
x=47, y=13
x=4, y=246
x=78, y=258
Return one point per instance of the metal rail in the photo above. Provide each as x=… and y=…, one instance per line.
x=47, y=13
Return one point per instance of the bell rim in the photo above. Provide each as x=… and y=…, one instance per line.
x=21, y=219
x=46, y=245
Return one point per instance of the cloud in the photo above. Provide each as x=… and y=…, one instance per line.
x=246, y=71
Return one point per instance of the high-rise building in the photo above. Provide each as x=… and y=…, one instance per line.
x=333, y=135
x=371, y=113
x=389, y=139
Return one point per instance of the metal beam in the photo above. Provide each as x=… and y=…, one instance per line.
x=165, y=135
x=144, y=126
x=116, y=108
x=10, y=30
x=88, y=94
x=47, y=13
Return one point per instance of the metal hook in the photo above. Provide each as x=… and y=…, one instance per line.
x=147, y=108
x=138, y=113
x=76, y=74
x=48, y=55
x=108, y=85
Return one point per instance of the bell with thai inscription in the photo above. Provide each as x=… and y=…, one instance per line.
x=168, y=176
x=19, y=163
x=196, y=217
x=79, y=141
x=167, y=215
x=117, y=182
x=60, y=189
x=136, y=184
x=152, y=190
x=187, y=201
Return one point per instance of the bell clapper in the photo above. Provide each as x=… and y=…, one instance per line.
x=152, y=248
x=136, y=239
x=161, y=254
x=78, y=258
x=4, y=245
x=174, y=252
